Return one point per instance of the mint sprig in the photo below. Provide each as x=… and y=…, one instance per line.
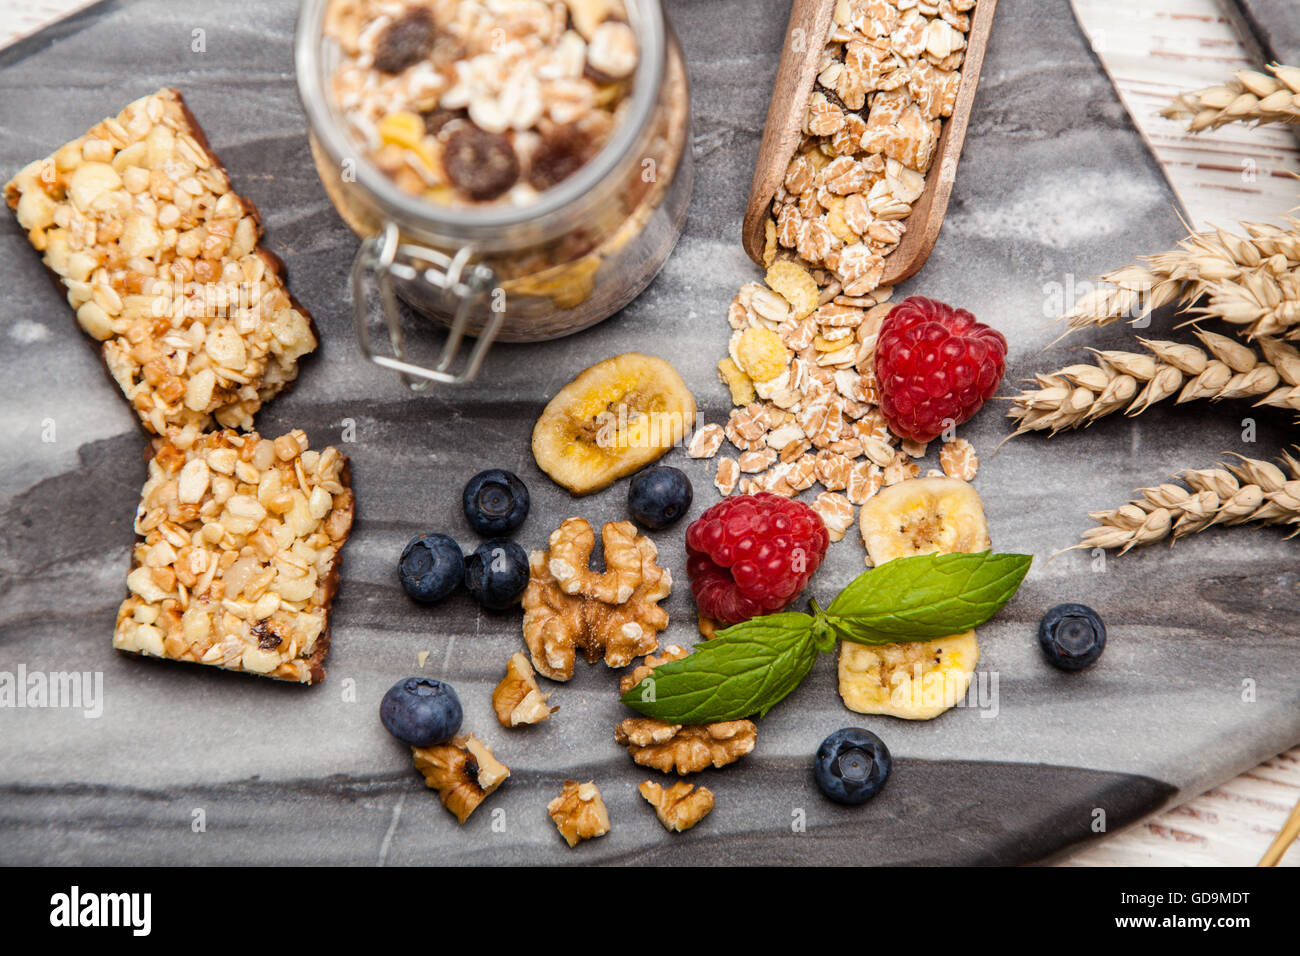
x=926, y=597
x=749, y=668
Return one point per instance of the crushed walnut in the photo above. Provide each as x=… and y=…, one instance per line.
x=569, y=607
x=680, y=806
x=518, y=700
x=237, y=559
x=464, y=772
x=579, y=812
x=681, y=748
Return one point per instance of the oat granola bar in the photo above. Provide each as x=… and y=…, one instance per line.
x=237, y=560
x=160, y=258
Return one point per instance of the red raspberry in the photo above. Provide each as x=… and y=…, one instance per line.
x=935, y=366
x=752, y=555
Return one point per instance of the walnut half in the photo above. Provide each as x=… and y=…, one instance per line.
x=464, y=772
x=680, y=806
x=579, y=812
x=614, y=614
x=684, y=748
x=518, y=700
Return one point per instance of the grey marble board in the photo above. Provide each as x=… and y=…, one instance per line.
x=1272, y=25
x=1054, y=187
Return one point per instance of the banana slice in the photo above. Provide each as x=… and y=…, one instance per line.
x=914, y=680
x=613, y=419
x=924, y=516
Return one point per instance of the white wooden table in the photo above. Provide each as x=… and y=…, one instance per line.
x=1234, y=173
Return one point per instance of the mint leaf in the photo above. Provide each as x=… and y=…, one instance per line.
x=747, y=669
x=927, y=596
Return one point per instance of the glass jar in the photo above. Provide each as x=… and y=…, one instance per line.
x=576, y=255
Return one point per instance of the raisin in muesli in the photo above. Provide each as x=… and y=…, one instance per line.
x=405, y=41
x=481, y=165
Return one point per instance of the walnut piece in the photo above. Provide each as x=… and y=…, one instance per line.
x=464, y=772
x=679, y=807
x=683, y=748
x=568, y=607
x=570, y=556
x=579, y=812
x=518, y=700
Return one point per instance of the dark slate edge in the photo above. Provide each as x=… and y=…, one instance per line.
x=931, y=812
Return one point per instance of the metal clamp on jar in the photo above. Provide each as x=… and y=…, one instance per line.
x=567, y=257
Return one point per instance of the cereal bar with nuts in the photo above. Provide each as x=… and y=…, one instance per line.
x=160, y=258
x=237, y=561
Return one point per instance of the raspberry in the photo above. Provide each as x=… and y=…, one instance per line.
x=935, y=366
x=752, y=555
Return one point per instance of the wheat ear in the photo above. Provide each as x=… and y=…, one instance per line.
x=1134, y=381
x=1233, y=493
x=1249, y=97
x=1250, y=281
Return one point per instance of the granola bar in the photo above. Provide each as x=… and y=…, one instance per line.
x=237, y=561
x=474, y=101
x=160, y=258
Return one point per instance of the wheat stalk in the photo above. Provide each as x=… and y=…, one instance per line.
x=1231, y=494
x=1133, y=381
x=1249, y=97
x=1249, y=280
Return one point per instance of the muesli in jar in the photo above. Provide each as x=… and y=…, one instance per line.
x=464, y=102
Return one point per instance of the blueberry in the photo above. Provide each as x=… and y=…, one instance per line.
x=496, y=502
x=421, y=711
x=497, y=573
x=1072, y=636
x=852, y=765
x=432, y=566
x=659, y=496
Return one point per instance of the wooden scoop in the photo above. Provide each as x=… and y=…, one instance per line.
x=810, y=23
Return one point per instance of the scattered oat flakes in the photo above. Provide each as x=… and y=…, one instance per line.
x=865, y=480
x=727, y=476
x=706, y=441
x=836, y=511
x=754, y=462
x=958, y=459
x=900, y=469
